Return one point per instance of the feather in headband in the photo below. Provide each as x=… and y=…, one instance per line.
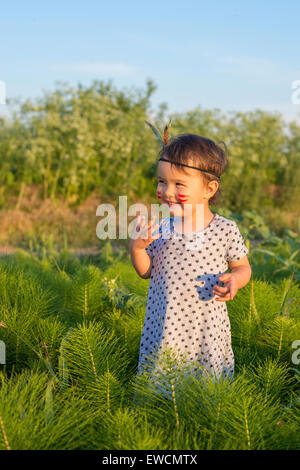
x=163, y=141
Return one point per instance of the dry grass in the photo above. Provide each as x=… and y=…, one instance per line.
x=38, y=218
x=37, y=221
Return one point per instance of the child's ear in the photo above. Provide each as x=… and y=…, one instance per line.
x=211, y=188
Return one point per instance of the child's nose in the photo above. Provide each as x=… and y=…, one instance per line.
x=170, y=195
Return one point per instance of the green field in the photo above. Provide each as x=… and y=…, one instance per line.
x=72, y=327
x=72, y=306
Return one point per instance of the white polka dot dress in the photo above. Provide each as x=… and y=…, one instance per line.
x=181, y=311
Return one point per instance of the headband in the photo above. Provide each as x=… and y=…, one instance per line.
x=183, y=164
x=163, y=141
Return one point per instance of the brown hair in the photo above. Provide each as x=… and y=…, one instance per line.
x=204, y=153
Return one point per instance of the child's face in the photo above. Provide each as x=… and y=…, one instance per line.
x=180, y=188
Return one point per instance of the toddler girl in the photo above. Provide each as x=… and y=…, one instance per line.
x=189, y=287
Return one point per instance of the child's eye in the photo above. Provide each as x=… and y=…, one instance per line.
x=177, y=184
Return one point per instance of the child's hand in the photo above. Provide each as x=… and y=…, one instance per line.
x=144, y=233
x=229, y=291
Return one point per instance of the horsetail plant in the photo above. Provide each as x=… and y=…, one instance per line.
x=5, y=439
x=75, y=377
x=282, y=309
x=62, y=363
x=49, y=413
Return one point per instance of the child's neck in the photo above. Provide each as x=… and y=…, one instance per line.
x=190, y=221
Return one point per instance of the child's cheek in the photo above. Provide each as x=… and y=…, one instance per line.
x=182, y=197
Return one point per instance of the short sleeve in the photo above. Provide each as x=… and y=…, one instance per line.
x=150, y=250
x=236, y=248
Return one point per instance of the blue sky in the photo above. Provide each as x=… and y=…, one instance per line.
x=232, y=55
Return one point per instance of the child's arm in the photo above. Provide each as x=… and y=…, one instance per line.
x=140, y=259
x=238, y=264
x=242, y=271
x=238, y=277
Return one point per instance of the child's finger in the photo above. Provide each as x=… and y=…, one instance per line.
x=153, y=229
x=137, y=225
x=233, y=292
x=154, y=237
x=220, y=290
x=223, y=296
x=223, y=299
x=146, y=229
x=143, y=220
x=139, y=221
x=151, y=220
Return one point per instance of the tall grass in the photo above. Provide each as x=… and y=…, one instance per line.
x=72, y=331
